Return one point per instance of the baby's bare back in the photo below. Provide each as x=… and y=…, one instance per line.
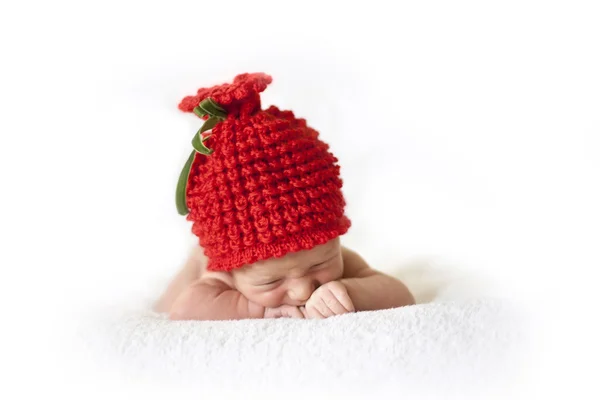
x=194, y=270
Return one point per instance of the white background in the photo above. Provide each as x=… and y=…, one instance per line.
x=467, y=132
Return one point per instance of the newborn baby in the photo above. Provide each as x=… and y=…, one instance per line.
x=264, y=195
x=321, y=282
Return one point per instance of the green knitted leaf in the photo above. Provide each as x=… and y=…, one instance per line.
x=215, y=105
x=198, y=140
x=198, y=143
x=209, y=124
x=199, y=112
x=213, y=109
x=217, y=114
x=180, y=193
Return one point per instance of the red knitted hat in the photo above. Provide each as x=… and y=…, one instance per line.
x=260, y=184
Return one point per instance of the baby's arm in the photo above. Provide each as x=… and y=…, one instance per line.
x=196, y=294
x=185, y=277
x=370, y=289
x=213, y=299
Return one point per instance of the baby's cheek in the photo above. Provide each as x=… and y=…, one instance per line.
x=269, y=298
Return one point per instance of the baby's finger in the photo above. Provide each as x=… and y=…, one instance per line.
x=342, y=296
x=324, y=308
x=272, y=313
x=294, y=312
x=314, y=313
x=304, y=312
x=333, y=304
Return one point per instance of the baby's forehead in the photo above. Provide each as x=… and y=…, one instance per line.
x=300, y=260
x=278, y=266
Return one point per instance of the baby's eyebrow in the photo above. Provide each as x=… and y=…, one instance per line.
x=266, y=276
x=324, y=261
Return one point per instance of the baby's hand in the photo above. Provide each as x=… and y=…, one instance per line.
x=328, y=300
x=283, y=311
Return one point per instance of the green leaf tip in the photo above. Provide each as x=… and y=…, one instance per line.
x=216, y=114
x=180, y=193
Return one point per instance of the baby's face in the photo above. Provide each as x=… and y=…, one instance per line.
x=290, y=279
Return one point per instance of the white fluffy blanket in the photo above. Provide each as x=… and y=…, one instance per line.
x=463, y=347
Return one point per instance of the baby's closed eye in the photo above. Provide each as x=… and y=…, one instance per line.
x=323, y=263
x=271, y=282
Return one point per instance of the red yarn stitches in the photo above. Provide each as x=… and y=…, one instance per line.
x=240, y=97
x=269, y=188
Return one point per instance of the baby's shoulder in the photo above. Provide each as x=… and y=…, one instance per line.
x=354, y=264
x=351, y=256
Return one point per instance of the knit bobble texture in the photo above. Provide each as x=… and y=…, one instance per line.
x=270, y=187
x=240, y=97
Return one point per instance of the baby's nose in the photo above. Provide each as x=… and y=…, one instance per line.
x=301, y=289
